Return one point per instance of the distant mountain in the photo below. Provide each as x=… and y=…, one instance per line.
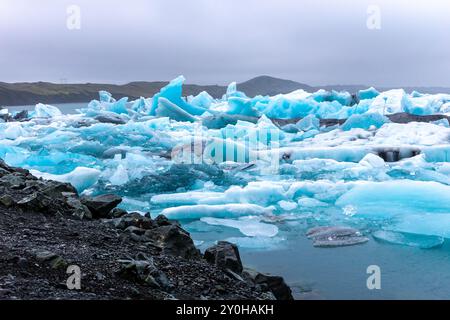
x=31, y=93
x=266, y=85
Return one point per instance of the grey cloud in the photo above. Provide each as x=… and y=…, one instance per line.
x=218, y=41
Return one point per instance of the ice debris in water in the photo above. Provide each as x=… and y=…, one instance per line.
x=249, y=226
x=308, y=156
x=408, y=239
x=335, y=236
x=45, y=111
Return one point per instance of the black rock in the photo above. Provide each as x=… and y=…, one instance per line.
x=174, y=240
x=143, y=270
x=22, y=115
x=110, y=118
x=117, y=213
x=100, y=206
x=275, y=284
x=134, y=219
x=224, y=255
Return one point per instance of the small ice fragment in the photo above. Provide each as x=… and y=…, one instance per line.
x=349, y=210
x=287, y=205
x=335, y=236
x=409, y=239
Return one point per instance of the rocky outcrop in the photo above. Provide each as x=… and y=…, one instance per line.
x=102, y=205
x=224, y=255
x=45, y=227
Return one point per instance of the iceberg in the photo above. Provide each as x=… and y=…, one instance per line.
x=81, y=178
x=367, y=94
x=172, y=92
x=365, y=121
x=264, y=165
x=233, y=210
x=168, y=109
x=408, y=239
x=45, y=111
x=308, y=123
x=250, y=227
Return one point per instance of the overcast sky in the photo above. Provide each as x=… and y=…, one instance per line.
x=217, y=41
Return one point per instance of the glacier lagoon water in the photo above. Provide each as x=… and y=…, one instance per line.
x=389, y=181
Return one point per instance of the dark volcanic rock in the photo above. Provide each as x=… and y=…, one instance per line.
x=142, y=269
x=133, y=219
x=174, y=240
x=224, y=255
x=275, y=284
x=100, y=206
x=45, y=226
x=22, y=115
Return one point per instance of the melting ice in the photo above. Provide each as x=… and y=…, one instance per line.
x=255, y=170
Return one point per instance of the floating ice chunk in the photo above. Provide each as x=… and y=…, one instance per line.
x=442, y=123
x=13, y=131
x=322, y=190
x=172, y=92
x=141, y=105
x=396, y=198
x=306, y=202
x=287, y=205
x=262, y=192
x=389, y=102
x=256, y=243
x=202, y=100
x=343, y=98
x=120, y=176
x=329, y=237
x=81, y=178
x=218, y=211
x=299, y=94
x=232, y=88
x=241, y=106
x=105, y=96
x=409, y=239
x=369, y=93
x=46, y=111
x=365, y=121
x=119, y=107
x=251, y=227
x=431, y=224
x=168, y=109
x=233, y=92
x=372, y=161
x=185, y=198
x=308, y=123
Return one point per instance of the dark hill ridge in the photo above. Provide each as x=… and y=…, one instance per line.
x=26, y=93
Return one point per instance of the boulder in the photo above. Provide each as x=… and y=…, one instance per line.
x=6, y=200
x=274, y=284
x=143, y=270
x=224, y=255
x=100, y=206
x=174, y=240
x=133, y=219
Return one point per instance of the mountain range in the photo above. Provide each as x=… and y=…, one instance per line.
x=28, y=93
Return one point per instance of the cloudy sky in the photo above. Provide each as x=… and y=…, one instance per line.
x=217, y=41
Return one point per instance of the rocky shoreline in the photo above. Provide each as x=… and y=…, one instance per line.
x=47, y=230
